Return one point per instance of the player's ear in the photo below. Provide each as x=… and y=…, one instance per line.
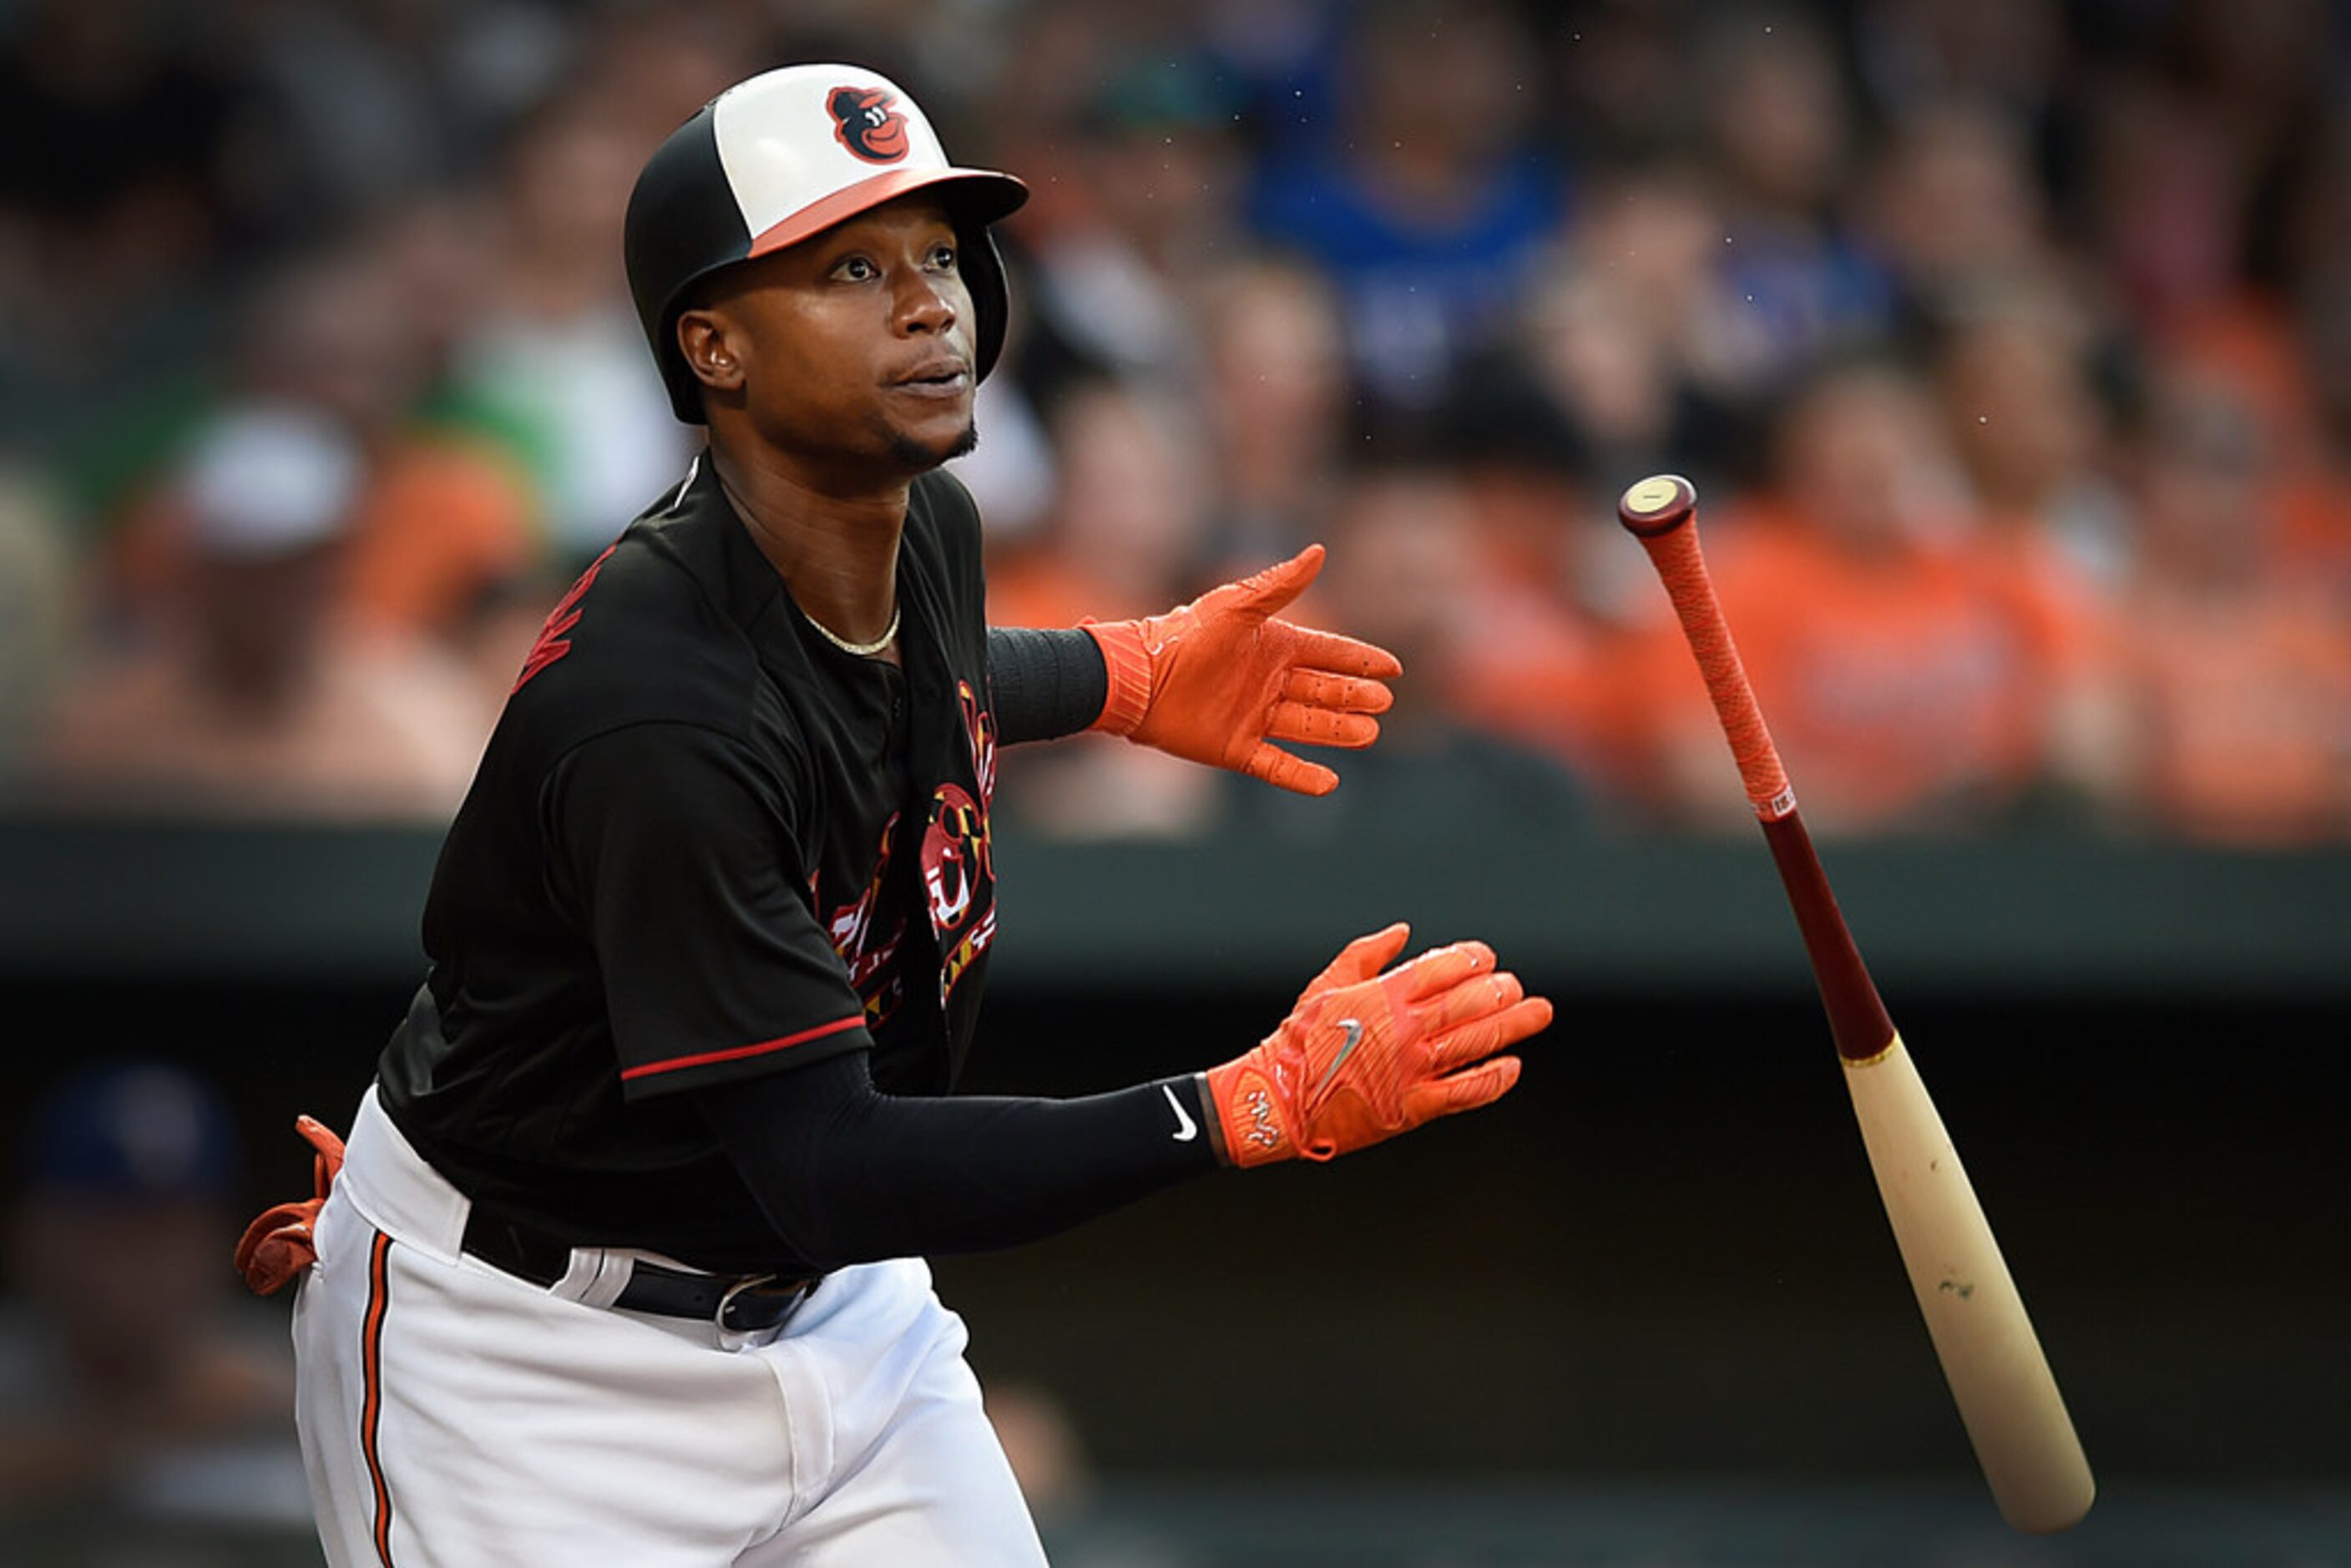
x=706, y=340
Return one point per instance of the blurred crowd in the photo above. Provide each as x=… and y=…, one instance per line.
x=146, y=1400
x=2009, y=343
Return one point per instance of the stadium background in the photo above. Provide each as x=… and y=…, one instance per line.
x=2010, y=342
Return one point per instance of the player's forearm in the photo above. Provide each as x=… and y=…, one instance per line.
x=848, y=1175
x=1045, y=685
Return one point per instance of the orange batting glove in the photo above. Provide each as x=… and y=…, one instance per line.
x=1366, y=1055
x=280, y=1244
x=1218, y=680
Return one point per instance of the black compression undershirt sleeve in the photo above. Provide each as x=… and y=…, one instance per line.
x=1046, y=684
x=848, y=1175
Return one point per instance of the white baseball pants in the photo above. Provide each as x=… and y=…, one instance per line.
x=453, y=1415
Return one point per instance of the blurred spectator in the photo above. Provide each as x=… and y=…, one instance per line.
x=2192, y=137
x=1123, y=540
x=441, y=518
x=2170, y=202
x=435, y=250
x=1956, y=213
x=36, y=594
x=1623, y=80
x=1276, y=402
x=248, y=700
x=1910, y=675
x=555, y=358
x=1403, y=573
x=1126, y=530
x=646, y=68
x=1598, y=358
x=1129, y=170
x=1538, y=668
x=1597, y=389
x=1042, y=1445
x=2246, y=352
x=2238, y=680
x=1429, y=205
x=2010, y=53
x=138, y=1382
x=1630, y=404
x=2031, y=431
x=1011, y=473
x=123, y=195
x=132, y=124
x=370, y=106
x=2315, y=255
x=1595, y=361
x=2246, y=341
x=1137, y=193
x=1282, y=53
x=1782, y=135
x=1651, y=238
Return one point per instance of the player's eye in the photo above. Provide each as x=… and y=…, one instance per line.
x=855, y=270
x=943, y=256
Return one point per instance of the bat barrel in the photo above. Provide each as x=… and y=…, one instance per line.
x=2008, y=1399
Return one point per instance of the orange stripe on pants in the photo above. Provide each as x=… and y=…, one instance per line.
x=371, y=1406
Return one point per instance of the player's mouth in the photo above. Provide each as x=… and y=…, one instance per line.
x=944, y=377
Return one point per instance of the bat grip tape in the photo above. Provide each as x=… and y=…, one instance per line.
x=1681, y=566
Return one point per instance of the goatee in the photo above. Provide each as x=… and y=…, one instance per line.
x=914, y=455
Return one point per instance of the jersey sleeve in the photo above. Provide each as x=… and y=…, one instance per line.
x=680, y=854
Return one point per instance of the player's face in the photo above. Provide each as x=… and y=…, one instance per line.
x=854, y=348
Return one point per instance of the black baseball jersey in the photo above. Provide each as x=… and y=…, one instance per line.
x=703, y=844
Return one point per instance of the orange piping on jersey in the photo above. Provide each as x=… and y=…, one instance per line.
x=735, y=1053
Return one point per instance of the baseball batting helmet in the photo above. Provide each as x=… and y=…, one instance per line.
x=782, y=156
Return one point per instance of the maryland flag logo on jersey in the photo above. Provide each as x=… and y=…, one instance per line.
x=959, y=852
x=869, y=954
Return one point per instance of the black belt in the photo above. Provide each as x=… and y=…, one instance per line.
x=745, y=1303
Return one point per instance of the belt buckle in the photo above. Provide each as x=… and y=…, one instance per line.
x=726, y=1303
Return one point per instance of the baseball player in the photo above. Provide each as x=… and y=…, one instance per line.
x=623, y=1261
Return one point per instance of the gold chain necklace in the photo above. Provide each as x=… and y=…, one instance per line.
x=857, y=650
x=854, y=650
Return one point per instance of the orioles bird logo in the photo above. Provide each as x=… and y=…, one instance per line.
x=866, y=123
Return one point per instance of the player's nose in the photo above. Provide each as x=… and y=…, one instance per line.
x=925, y=303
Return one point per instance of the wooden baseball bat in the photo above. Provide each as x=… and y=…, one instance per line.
x=2007, y=1398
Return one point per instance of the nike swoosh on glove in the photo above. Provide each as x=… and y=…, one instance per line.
x=1367, y=1054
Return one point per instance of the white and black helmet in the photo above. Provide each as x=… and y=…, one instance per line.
x=775, y=158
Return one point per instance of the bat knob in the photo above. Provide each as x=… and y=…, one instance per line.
x=1658, y=505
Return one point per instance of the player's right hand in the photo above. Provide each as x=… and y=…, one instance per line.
x=1367, y=1054
x=1221, y=679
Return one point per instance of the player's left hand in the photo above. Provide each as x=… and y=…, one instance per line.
x=1372, y=1048
x=1220, y=679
